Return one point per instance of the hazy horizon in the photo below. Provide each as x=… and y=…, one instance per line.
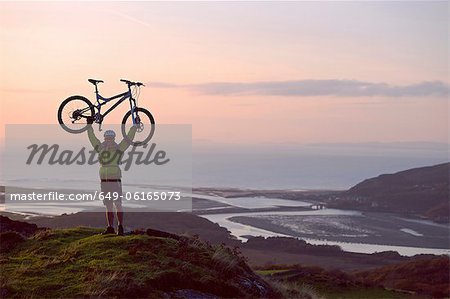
x=307, y=166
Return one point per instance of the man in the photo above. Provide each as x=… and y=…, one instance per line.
x=110, y=154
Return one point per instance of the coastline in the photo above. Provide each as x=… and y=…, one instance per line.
x=244, y=213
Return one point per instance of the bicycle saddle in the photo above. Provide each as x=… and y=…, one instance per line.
x=93, y=81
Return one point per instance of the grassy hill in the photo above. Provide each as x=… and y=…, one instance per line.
x=174, y=222
x=427, y=276
x=79, y=262
x=418, y=279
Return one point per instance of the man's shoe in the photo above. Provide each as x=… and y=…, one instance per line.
x=120, y=230
x=109, y=230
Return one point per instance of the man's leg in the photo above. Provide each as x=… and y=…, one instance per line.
x=109, y=218
x=119, y=210
x=119, y=213
x=110, y=215
x=105, y=187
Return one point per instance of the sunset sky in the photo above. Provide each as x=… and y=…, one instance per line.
x=244, y=72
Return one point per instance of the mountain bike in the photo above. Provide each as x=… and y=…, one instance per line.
x=76, y=113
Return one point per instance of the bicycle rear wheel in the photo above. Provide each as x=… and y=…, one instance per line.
x=73, y=113
x=145, y=126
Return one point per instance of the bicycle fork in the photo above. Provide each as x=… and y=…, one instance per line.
x=134, y=115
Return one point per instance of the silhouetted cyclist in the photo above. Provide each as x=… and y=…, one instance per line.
x=110, y=174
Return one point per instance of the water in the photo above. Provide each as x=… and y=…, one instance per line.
x=290, y=166
x=328, y=226
x=256, y=202
x=323, y=224
x=411, y=231
x=323, y=166
x=351, y=230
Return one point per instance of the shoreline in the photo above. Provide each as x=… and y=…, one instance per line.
x=235, y=205
x=348, y=244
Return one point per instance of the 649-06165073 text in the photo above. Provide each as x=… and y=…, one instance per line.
x=129, y=196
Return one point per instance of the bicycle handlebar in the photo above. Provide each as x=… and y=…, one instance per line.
x=130, y=83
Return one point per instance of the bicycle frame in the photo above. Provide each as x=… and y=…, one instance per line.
x=122, y=96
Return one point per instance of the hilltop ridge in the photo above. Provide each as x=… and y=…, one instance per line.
x=79, y=262
x=422, y=191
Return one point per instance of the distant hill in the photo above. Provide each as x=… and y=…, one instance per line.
x=421, y=191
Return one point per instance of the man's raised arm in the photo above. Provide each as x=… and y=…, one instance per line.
x=125, y=143
x=93, y=139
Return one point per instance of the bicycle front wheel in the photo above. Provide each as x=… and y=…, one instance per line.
x=73, y=113
x=145, y=124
